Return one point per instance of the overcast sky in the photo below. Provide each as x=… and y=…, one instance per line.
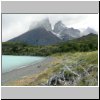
x=16, y=24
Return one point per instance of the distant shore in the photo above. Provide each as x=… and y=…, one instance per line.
x=26, y=71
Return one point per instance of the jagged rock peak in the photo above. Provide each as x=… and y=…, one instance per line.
x=59, y=23
x=59, y=26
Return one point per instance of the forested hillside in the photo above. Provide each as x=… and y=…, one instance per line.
x=85, y=43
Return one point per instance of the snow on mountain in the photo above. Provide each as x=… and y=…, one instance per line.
x=65, y=32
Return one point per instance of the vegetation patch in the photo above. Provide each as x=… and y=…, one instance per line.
x=83, y=44
x=79, y=62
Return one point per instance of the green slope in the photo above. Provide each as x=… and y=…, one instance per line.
x=85, y=43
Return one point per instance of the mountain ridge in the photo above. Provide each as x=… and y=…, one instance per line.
x=43, y=34
x=38, y=36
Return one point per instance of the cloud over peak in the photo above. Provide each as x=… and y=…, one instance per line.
x=16, y=24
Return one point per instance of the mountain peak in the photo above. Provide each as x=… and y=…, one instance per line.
x=59, y=22
x=89, y=30
x=37, y=36
x=45, y=23
x=59, y=26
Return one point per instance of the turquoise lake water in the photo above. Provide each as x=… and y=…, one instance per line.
x=10, y=62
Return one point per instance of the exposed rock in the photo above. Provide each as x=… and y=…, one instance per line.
x=57, y=80
x=64, y=32
x=58, y=27
x=63, y=78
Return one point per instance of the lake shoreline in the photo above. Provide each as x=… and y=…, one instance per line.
x=12, y=62
x=25, y=71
